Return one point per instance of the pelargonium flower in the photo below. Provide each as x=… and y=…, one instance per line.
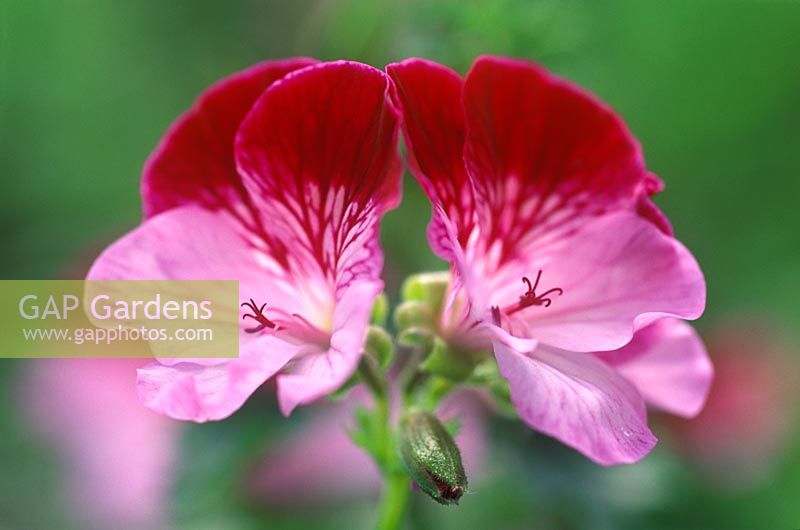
x=542, y=205
x=278, y=177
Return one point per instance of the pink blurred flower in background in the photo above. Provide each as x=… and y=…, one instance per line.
x=320, y=464
x=118, y=457
x=542, y=205
x=741, y=434
x=277, y=177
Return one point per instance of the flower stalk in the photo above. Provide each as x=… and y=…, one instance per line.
x=394, y=497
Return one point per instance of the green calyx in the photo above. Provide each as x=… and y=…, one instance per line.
x=428, y=288
x=446, y=361
x=431, y=456
x=378, y=344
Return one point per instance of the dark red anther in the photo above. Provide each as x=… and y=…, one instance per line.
x=258, y=316
x=531, y=298
x=496, y=315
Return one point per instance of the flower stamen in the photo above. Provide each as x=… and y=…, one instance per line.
x=258, y=316
x=496, y=315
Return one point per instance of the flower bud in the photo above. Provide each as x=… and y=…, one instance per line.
x=414, y=315
x=379, y=345
x=428, y=288
x=431, y=457
x=380, y=310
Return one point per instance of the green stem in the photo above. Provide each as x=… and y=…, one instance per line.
x=394, y=501
x=396, y=489
x=382, y=413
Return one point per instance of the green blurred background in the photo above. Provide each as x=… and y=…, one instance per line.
x=710, y=88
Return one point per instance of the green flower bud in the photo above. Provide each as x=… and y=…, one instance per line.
x=414, y=315
x=431, y=457
x=379, y=345
x=370, y=373
x=428, y=288
x=380, y=310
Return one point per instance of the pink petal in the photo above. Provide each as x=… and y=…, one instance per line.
x=648, y=210
x=189, y=391
x=429, y=96
x=190, y=243
x=544, y=156
x=318, y=153
x=618, y=274
x=465, y=279
x=316, y=375
x=668, y=364
x=193, y=163
x=578, y=400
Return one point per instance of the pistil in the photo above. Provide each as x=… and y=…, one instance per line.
x=530, y=298
x=258, y=316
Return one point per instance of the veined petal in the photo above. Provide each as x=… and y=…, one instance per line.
x=192, y=243
x=429, y=96
x=579, y=400
x=618, y=274
x=543, y=155
x=318, y=159
x=188, y=391
x=444, y=233
x=193, y=163
x=316, y=375
x=668, y=364
x=318, y=153
x=186, y=243
x=498, y=335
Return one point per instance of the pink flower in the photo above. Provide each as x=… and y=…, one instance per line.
x=119, y=457
x=542, y=206
x=278, y=177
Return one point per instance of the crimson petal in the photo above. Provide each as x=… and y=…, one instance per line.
x=543, y=154
x=318, y=153
x=193, y=163
x=430, y=98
